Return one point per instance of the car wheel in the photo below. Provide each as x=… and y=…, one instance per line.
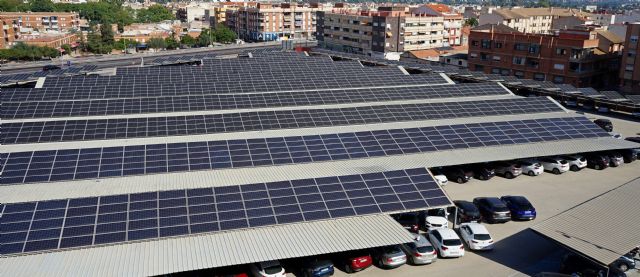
x=348, y=269
x=574, y=168
x=482, y=177
x=508, y=175
x=459, y=180
x=597, y=167
x=623, y=267
x=531, y=173
x=556, y=171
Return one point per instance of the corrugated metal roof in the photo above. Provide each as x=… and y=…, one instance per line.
x=213, y=250
x=603, y=228
x=274, y=133
x=226, y=177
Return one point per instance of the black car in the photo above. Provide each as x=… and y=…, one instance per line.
x=577, y=265
x=410, y=221
x=492, y=209
x=520, y=207
x=605, y=124
x=50, y=67
x=633, y=139
x=458, y=174
x=482, y=171
x=467, y=211
x=629, y=155
x=597, y=161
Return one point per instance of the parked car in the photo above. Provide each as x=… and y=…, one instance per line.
x=483, y=171
x=629, y=155
x=435, y=222
x=576, y=162
x=420, y=251
x=353, y=261
x=476, y=236
x=50, y=67
x=410, y=221
x=458, y=174
x=447, y=242
x=597, y=161
x=317, y=268
x=520, y=207
x=605, y=124
x=531, y=167
x=555, y=165
x=508, y=169
x=615, y=135
x=633, y=139
x=492, y=209
x=268, y=269
x=579, y=266
x=389, y=256
x=615, y=159
x=439, y=177
x=467, y=211
x=624, y=263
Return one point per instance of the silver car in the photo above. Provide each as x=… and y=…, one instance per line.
x=420, y=251
x=508, y=169
x=615, y=159
x=389, y=256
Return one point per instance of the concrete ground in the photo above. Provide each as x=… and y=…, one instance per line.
x=519, y=251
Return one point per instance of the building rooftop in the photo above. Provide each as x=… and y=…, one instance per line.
x=514, y=13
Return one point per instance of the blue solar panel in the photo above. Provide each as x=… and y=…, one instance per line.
x=119, y=218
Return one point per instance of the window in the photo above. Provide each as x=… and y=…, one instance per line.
x=498, y=45
x=484, y=56
x=534, y=48
x=633, y=39
x=561, y=51
x=538, y=76
x=519, y=74
x=505, y=72
x=518, y=60
x=479, y=67
x=628, y=67
x=533, y=63
x=520, y=47
x=496, y=58
x=475, y=43
x=486, y=43
x=495, y=70
x=558, y=66
x=558, y=79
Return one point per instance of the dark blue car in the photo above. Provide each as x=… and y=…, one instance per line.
x=317, y=268
x=520, y=207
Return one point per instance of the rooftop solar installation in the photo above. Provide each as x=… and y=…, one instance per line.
x=13, y=78
x=75, y=130
x=42, y=109
x=69, y=223
x=91, y=163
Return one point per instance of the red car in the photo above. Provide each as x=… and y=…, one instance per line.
x=354, y=261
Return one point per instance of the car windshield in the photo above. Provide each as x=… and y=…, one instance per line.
x=563, y=162
x=521, y=202
x=482, y=237
x=425, y=249
x=273, y=269
x=392, y=249
x=496, y=202
x=451, y=242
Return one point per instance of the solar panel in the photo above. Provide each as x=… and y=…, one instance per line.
x=91, y=163
x=35, y=109
x=50, y=131
x=612, y=94
x=82, y=222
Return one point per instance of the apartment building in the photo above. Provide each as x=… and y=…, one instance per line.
x=53, y=41
x=16, y=23
x=453, y=21
x=571, y=56
x=268, y=22
x=530, y=20
x=386, y=30
x=630, y=65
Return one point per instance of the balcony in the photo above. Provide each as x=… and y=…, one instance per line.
x=452, y=25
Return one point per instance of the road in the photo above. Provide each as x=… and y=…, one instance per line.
x=108, y=61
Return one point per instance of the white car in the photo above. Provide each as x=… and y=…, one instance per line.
x=446, y=242
x=435, y=222
x=476, y=236
x=555, y=165
x=531, y=167
x=576, y=162
x=268, y=269
x=441, y=179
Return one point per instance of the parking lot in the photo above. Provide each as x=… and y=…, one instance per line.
x=519, y=251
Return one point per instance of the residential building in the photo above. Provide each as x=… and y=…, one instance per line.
x=143, y=32
x=453, y=21
x=268, y=22
x=53, y=41
x=220, y=11
x=571, y=56
x=630, y=69
x=388, y=30
x=530, y=20
x=458, y=59
x=14, y=24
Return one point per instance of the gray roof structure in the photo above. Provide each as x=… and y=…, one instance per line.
x=587, y=227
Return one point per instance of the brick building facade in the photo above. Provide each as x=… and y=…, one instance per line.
x=630, y=65
x=16, y=23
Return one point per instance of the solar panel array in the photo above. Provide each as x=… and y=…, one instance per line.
x=78, y=222
x=90, y=163
x=120, y=128
x=43, y=109
x=22, y=77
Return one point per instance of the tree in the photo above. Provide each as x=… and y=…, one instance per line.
x=106, y=34
x=25, y=52
x=67, y=49
x=155, y=13
x=188, y=40
x=471, y=22
x=100, y=42
x=41, y=6
x=206, y=38
x=157, y=43
x=13, y=6
x=171, y=43
x=544, y=3
x=224, y=34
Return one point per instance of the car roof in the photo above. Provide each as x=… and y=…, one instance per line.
x=477, y=228
x=269, y=263
x=464, y=203
x=420, y=240
x=447, y=233
x=494, y=200
x=517, y=198
x=436, y=219
x=602, y=120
